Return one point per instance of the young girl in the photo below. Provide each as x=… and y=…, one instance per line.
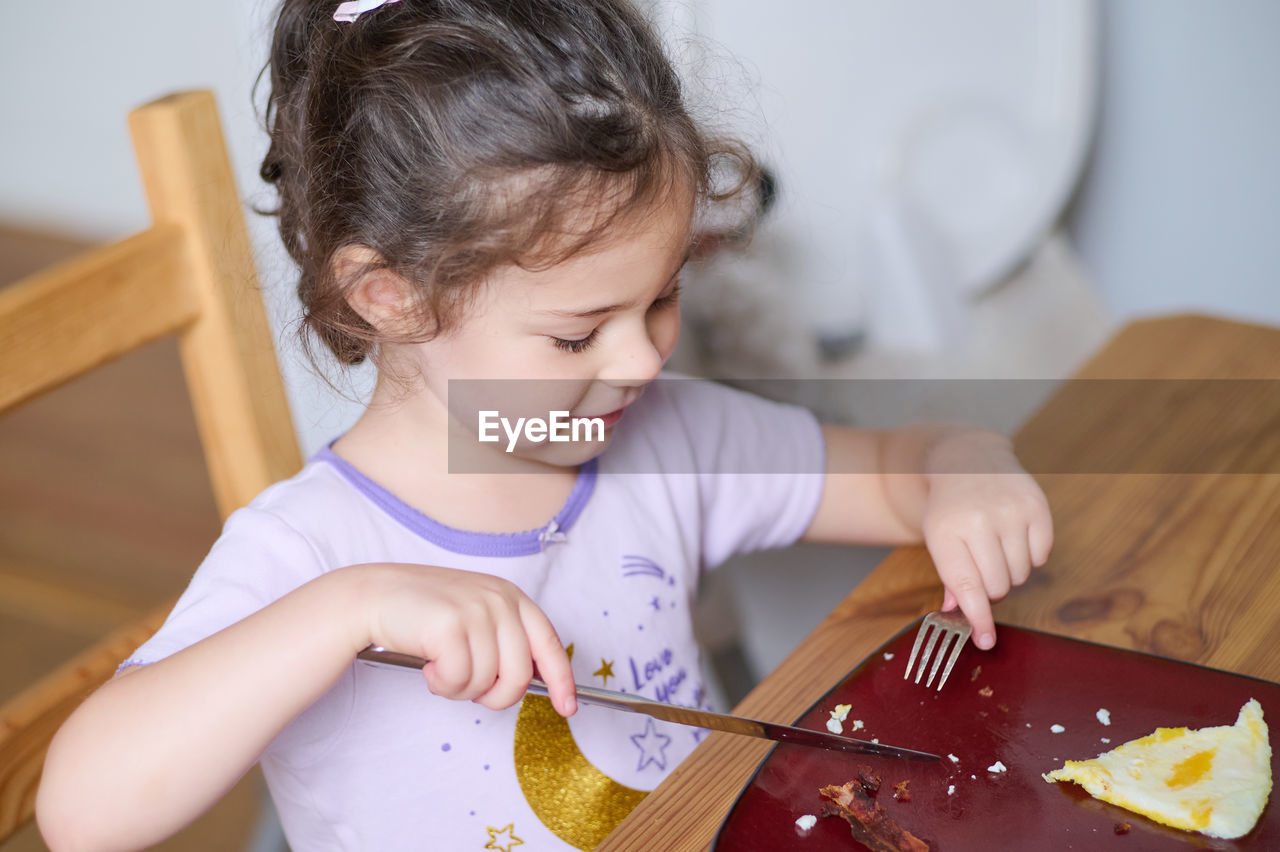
x=484, y=190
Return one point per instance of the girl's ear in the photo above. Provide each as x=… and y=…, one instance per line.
x=381, y=298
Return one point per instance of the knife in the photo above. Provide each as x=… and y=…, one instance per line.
x=687, y=715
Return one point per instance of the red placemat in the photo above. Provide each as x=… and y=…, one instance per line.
x=998, y=706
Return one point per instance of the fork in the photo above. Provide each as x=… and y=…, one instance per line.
x=946, y=626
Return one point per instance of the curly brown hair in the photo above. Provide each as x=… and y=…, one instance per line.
x=452, y=137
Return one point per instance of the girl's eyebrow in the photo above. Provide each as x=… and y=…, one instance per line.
x=620, y=306
x=589, y=313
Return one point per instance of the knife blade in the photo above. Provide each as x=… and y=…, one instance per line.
x=687, y=715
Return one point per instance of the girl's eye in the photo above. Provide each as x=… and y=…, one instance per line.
x=575, y=346
x=668, y=300
x=583, y=343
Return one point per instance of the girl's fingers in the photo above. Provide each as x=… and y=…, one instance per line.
x=989, y=556
x=550, y=658
x=960, y=575
x=449, y=670
x=982, y=553
x=1040, y=538
x=1017, y=556
x=483, y=642
x=515, y=667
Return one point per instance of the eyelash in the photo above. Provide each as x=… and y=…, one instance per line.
x=582, y=344
x=576, y=346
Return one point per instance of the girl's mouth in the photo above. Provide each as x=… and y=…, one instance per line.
x=612, y=417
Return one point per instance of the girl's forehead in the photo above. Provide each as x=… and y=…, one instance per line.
x=615, y=217
x=665, y=222
x=638, y=255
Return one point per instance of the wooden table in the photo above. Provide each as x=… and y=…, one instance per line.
x=1186, y=566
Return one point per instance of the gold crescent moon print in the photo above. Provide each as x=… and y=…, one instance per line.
x=575, y=800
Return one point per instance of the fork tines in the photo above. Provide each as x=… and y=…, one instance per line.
x=953, y=629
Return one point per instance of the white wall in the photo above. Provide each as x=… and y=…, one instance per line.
x=75, y=67
x=1181, y=208
x=73, y=70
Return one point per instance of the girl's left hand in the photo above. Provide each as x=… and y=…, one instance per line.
x=986, y=524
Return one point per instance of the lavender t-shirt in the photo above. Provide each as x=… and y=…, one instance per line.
x=380, y=763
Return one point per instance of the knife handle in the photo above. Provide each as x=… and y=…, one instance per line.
x=588, y=695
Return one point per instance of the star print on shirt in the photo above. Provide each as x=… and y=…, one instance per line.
x=652, y=746
x=605, y=671
x=496, y=833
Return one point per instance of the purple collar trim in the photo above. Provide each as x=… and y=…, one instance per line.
x=463, y=541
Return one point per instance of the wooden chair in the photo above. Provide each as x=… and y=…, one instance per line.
x=191, y=274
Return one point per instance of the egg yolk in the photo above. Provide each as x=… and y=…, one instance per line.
x=1191, y=770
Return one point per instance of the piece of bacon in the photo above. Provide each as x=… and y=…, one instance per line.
x=870, y=824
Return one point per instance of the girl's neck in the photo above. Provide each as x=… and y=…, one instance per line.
x=402, y=443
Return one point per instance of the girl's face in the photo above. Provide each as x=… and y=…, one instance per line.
x=582, y=337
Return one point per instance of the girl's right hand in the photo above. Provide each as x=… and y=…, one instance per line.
x=482, y=634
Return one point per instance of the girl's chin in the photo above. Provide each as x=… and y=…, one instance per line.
x=568, y=454
x=491, y=458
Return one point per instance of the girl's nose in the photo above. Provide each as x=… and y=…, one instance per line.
x=635, y=360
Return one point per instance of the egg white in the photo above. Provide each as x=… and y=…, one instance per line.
x=1213, y=780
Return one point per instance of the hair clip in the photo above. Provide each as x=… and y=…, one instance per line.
x=352, y=9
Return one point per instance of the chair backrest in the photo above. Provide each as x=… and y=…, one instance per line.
x=191, y=274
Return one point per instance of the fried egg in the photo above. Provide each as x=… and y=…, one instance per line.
x=1213, y=780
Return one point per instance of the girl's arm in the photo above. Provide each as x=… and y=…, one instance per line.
x=158, y=745
x=984, y=520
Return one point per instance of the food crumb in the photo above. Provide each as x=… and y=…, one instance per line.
x=900, y=791
x=1104, y=716
x=953, y=758
x=1028, y=724
x=986, y=692
x=1057, y=729
x=806, y=822
x=1106, y=739
x=951, y=789
x=1002, y=707
x=857, y=725
x=977, y=670
x=835, y=723
x=888, y=656
x=1122, y=828
x=974, y=777
x=997, y=767
x=875, y=740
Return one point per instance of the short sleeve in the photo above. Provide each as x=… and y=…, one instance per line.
x=760, y=467
x=258, y=559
